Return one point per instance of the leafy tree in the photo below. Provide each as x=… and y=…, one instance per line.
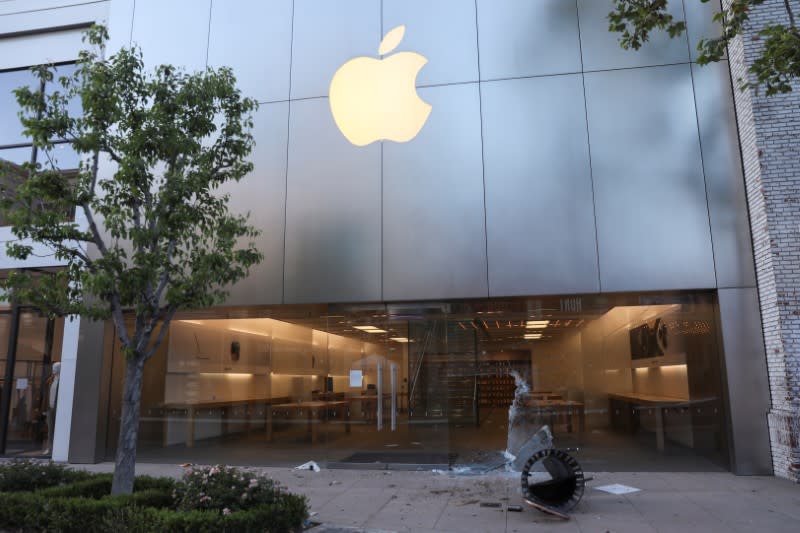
x=152, y=234
x=775, y=68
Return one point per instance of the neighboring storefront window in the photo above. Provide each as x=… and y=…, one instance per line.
x=633, y=380
x=15, y=148
x=38, y=347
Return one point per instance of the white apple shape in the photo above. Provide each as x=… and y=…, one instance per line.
x=376, y=99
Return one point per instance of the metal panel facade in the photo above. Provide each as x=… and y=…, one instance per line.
x=173, y=32
x=746, y=376
x=262, y=195
x=648, y=189
x=444, y=31
x=523, y=38
x=601, y=50
x=652, y=220
x=333, y=211
x=700, y=23
x=730, y=230
x=433, y=223
x=539, y=207
x=254, y=38
x=325, y=35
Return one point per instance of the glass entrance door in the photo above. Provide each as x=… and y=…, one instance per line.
x=26, y=374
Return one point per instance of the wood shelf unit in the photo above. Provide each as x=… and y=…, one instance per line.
x=496, y=385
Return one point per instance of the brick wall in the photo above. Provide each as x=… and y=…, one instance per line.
x=769, y=130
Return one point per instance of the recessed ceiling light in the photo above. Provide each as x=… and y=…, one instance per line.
x=537, y=324
x=365, y=328
x=375, y=330
x=533, y=335
x=400, y=339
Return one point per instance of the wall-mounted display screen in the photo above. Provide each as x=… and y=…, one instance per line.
x=648, y=340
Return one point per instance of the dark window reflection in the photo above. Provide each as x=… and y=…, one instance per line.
x=11, y=130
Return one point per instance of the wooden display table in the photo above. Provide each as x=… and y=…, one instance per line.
x=193, y=408
x=312, y=411
x=650, y=401
x=566, y=410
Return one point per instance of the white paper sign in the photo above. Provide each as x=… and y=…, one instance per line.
x=356, y=378
x=22, y=383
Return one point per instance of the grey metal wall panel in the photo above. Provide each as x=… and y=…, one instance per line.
x=84, y=434
x=333, y=211
x=174, y=32
x=25, y=15
x=700, y=23
x=443, y=31
x=747, y=384
x=539, y=206
x=652, y=219
x=433, y=225
x=601, y=50
x=326, y=35
x=254, y=38
x=522, y=38
x=8, y=7
x=262, y=194
x=727, y=203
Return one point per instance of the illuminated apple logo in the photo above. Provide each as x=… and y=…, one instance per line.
x=376, y=99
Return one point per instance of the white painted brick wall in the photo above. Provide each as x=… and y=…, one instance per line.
x=769, y=130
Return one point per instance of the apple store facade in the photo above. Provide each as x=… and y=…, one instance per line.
x=453, y=196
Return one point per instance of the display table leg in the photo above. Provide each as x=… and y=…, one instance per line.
x=660, y=429
x=190, y=427
x=269, y=424
x=312, y=427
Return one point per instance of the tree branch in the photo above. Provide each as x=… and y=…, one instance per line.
x=165, y=274
x=119, y=320
x=97, y=238
x=162, y=332
x=790, y=13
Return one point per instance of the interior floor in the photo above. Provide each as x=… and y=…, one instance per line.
x=467, y=447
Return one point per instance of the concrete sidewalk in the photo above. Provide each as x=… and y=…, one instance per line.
x=426, y=502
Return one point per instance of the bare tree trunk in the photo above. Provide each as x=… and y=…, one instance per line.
x=125, y=463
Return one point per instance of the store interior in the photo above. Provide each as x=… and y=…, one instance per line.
x=632, y=381
x=29, y=380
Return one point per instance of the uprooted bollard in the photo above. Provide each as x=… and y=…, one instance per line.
x=552, y=480
x=541, y=440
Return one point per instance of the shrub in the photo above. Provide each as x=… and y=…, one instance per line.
x=85, y=506
x=96, y=487
x=273, y=519
x=147, y=482
x=17, y=475
x=226, y=490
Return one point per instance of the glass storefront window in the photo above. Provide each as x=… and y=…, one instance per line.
x=11, y=132
x=633, y=380
x=38, y=347
x=15, y=148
